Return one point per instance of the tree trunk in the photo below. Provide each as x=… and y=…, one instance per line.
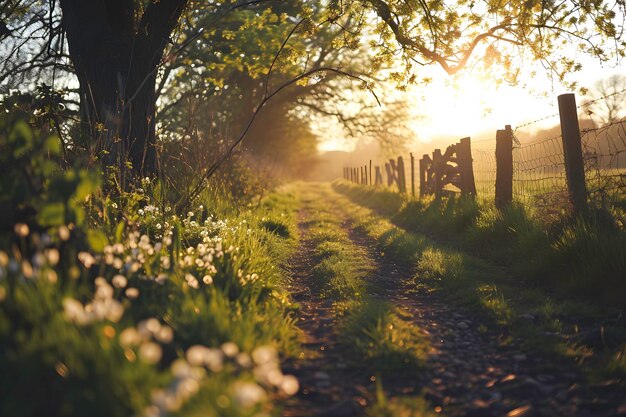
x=116, y=57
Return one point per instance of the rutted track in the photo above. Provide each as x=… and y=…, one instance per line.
x=470, y=371
x=327, y=387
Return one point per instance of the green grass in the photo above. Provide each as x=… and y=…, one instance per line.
x=371, y=329
x=475, y=275
x=573, y=257
x=105, y=296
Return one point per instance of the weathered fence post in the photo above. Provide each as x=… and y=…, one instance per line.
x=401, y=176
x=504, y=167
x=366, y=182
x=389, y=174
x=412, y=175
x=371, y=183
x=464, y=155
x=423, y=167
x=438, y=172
x=379, y=176
x=572, y=150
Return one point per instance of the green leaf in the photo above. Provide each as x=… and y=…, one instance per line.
x=97, y=240
x=52, y=214
x=119, y=232
x=22, y=138
x=89, y=183
x=52, y=145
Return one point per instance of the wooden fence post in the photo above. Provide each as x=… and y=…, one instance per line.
x=423, y=171
x=438, y=169
x=412, y=175
x=504, y=167
x=379, y=176
x=401, y=176
x=464, y=154
x=366, y=182
x=572, y=150
x=371, y=183
x=389, y=174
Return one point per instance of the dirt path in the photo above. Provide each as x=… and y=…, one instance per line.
x=327, y=387
x=469, y=372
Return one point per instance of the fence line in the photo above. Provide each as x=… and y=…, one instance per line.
x=544, y=174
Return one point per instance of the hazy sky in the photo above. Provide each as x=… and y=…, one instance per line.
x=471, y=103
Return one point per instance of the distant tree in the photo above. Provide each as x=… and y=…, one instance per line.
x=606, y=100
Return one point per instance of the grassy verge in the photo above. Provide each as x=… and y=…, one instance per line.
x=114, y=304
x=551, y=324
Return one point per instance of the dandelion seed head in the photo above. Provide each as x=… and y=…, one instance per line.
x=289, y=385
x=230, y=349
x=164, y=335
x=130, y=337
x=52, y=256
x=150, y=352
x=264, y=354
x=132, y=293
x=119, y=281
x=248, y=394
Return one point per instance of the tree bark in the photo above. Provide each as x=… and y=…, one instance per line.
x=116, y=57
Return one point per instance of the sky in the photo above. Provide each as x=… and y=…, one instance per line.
x=470, y=104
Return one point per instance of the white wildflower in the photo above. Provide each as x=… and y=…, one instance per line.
x=230, y=349
x=165, y=334
x=130, y=337
x=119, y=281
x=289, y=385
x=132, y=293
x=150, y=352
x=248, y=394
x=264, y=354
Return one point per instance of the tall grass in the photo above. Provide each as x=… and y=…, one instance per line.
x=580, y=257
x=112, y=303
x=560, y=277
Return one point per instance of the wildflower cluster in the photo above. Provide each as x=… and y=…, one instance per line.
x=122, y=268
x=200, y=362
